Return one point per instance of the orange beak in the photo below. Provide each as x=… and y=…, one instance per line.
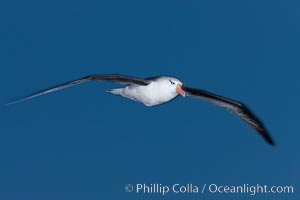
x=179, y=90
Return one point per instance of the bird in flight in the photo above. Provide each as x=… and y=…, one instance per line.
x=161, y=89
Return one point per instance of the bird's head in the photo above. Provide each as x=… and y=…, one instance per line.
x=173, y=85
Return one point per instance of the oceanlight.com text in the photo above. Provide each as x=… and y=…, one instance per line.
x=177, y=188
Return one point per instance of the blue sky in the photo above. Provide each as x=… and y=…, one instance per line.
x=83, y=143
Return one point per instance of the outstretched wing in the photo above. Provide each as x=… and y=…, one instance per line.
x=235, y=107
x=115, y=78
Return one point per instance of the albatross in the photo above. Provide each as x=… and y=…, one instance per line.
x=161, y=89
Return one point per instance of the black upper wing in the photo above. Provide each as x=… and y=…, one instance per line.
x=119, y=79
x=238, y=108
x=115, y=78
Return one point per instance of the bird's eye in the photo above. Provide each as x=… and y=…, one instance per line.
x=172, y=82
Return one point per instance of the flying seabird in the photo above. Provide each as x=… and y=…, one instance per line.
x=161, y=89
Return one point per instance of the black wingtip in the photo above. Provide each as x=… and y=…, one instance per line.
x=271, y=142
x=15, y=101
x=11, y=103
x=267, y=137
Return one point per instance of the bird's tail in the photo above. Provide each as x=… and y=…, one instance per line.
x=115, y=91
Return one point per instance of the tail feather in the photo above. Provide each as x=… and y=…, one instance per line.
x=115, y=91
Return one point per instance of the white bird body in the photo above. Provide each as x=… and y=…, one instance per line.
x=155, y=93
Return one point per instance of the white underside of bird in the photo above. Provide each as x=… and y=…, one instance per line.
x=151, y=95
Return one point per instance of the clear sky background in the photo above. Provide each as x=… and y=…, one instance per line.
x=83, y=143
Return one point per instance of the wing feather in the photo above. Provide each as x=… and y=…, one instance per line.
x=233, y=106
x=115, y=78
